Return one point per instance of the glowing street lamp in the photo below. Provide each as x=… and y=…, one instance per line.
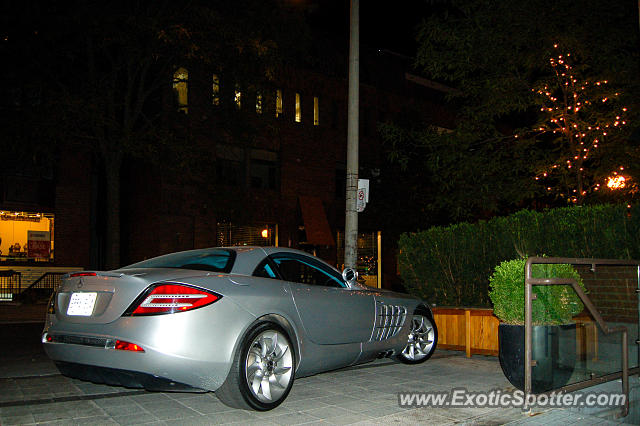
x=616, y=181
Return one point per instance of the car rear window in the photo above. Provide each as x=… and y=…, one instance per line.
x=215, y=260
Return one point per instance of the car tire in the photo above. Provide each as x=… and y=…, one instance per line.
x=422, y=339
x=263, y=370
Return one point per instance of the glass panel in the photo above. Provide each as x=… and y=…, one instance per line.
x=305, y=272
x=264, y=270
x=316, y=111
x=217, y=260
x=259, y=102
x=581, y=351
x=298, y=109
x=181, y=89
x=237, y=98
x=215, y=89
x=278, y=103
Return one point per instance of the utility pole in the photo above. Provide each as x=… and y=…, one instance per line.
x=351, y=213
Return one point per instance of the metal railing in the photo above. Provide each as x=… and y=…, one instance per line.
x=43, y=287
x=10, y=282
x=530, y=296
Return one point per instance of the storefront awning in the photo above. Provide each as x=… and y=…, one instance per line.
x=316, y=225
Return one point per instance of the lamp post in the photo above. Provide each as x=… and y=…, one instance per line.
x=351, y=213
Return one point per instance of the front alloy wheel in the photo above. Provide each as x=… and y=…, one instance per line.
x=422, y=340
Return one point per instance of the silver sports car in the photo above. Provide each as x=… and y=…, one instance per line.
x=241, y=321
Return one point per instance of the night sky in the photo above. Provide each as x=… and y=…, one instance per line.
x=383, y=24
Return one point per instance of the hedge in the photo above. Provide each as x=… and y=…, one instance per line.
x=451, y=265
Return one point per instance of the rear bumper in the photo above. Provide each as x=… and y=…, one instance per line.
x=193, y=348
x=126, y=378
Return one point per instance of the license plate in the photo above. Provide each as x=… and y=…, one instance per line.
x=81, y=304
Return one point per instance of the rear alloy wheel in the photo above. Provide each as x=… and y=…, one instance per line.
x=422, y=340
x=263, y=370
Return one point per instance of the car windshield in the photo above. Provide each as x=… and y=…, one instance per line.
x=215, y=260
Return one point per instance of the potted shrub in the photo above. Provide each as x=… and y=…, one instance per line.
x=553, y=331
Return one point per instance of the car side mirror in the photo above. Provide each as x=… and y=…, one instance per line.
x=349, y=276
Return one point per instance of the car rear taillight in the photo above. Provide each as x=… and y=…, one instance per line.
x=82, y=274
x=121, y=345
x=169, y=298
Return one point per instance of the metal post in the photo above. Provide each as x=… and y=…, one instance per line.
x=379, y=259
x=527, y=328
x=625, y=372
x=351, y=214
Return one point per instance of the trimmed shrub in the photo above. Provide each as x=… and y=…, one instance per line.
x=555, y=304
x=450, y=265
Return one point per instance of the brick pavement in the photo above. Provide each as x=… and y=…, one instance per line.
x=32, y=392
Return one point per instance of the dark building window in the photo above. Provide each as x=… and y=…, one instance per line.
x=265, y=168
x=230, y=165
x=334, y=114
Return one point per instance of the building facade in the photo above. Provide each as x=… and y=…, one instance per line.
x=269, y=169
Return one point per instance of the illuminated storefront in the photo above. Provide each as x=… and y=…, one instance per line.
x=26, y=237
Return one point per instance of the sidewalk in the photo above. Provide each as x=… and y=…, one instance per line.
x=32, y=392
x=14, y=312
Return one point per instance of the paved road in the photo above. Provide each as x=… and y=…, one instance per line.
x=32, y=392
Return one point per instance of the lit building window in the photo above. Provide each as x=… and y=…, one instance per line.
x=215, y=89
x=26, y=236
x=316, y=111
x=298, y=109
x=181, y=89
x=259, y=102
x=278, y=103
x=237, y=98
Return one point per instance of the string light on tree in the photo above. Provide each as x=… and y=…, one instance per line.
x=579, y=117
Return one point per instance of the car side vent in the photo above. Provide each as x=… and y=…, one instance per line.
x=389, y=321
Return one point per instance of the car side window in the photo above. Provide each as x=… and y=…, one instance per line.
x=265, y=270
x=305, y=270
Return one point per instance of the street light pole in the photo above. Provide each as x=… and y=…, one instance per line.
x=351, y=213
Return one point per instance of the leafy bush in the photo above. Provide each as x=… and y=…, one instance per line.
x=555, y=304
x=451, y=265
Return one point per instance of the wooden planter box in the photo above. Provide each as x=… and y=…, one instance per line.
x=473, y=330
